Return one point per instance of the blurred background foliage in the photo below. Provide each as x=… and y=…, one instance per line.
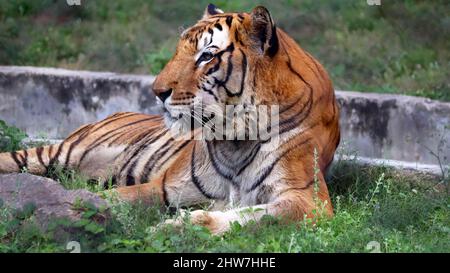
x=398, y=47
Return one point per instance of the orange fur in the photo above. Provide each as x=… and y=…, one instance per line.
x=138, y=151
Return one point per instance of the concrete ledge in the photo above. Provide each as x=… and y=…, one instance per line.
x=395, y=126
x=408, y=167
x=50, y=103
x=53, y=102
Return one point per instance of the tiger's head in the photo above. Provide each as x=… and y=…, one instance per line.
x=237, y=59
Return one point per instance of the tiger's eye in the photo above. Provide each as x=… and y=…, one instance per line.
x=206, y=56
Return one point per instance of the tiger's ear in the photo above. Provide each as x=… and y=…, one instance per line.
x=263, y=31
x=211, y=10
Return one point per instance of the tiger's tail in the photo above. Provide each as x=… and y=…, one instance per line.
x=35, y=160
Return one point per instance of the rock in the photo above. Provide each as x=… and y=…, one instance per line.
x=49, y=199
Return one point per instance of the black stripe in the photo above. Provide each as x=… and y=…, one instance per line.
x=308, y=185
x=133, y=135
x=39, y=151
x=230, y=49
x=49, y=153
x=292, y=122
x=130, y=176
x=79, y=131
x=165, y=198
x=114, y=132
x=55, y=158
x=218, y=26
x=269, y=169
x=244, y=72
x=180, y=147
x=236, y=37
x=229, y=20
x=242, y=164
x=289, y=64
x=223, y=83
x=249, y=159
x=151, y=162
x=97, y=143
x=141, y=148
x=143, y=136
x=212, y=157
x=195, y=179
x=209, y=91
x=290, y=106
x=25, y=158
x=130, y=180
x=109, y=120
x=318, y=70
x=74, y=144
x=18, y=162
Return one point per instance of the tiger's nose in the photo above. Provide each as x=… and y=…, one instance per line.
x=163, y=94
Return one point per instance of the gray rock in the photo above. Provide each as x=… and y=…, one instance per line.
x=50, y=200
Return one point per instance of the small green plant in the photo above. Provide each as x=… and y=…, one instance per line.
x=88, y=221
x=10, y=137
x=439, y=154
x=73, y=179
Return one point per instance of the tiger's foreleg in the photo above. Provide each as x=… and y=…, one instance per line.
x=293, y=204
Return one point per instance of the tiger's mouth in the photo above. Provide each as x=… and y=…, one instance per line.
x=190, y=118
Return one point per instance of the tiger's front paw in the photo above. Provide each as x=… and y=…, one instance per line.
x=215, y=221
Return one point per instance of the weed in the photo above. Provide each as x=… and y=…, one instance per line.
x=10, y=137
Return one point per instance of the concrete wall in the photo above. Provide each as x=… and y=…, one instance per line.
x=52, y=102
x=395, y=127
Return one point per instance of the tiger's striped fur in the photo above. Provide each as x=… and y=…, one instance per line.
x=226, y=58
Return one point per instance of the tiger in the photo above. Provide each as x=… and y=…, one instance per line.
x=224, y=59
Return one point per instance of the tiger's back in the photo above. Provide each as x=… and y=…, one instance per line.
x=125, y=148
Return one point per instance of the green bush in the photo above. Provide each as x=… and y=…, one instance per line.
x=10, y=137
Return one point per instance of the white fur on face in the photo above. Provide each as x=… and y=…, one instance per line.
x=215, y=42
x=219, y=40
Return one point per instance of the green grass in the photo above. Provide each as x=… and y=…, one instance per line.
x=373, y=205
x=401, y=213
x=398, y=47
